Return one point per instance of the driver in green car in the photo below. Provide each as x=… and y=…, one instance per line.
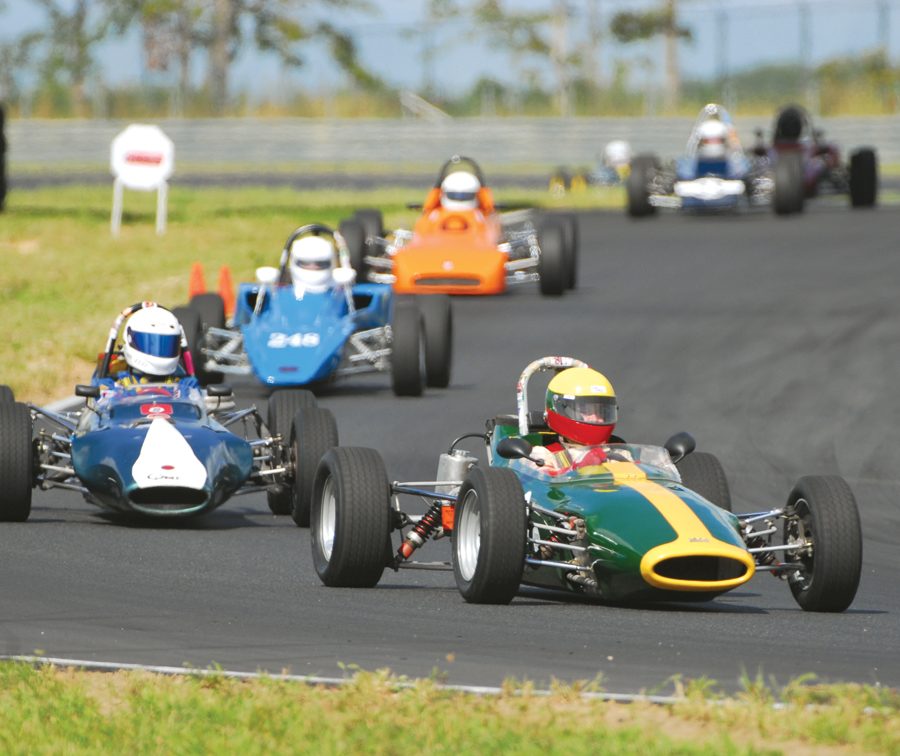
x=581, y=408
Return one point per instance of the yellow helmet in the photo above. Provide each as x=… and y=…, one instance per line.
x=581, y=406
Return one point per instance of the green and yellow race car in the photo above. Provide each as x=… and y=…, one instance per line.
x=637, y=522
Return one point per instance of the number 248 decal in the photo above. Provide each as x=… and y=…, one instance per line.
x=279, y=340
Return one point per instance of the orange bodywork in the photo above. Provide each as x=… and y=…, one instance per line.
x=453, y=252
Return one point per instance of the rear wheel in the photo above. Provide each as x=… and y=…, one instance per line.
x=210, y=308
x=372, y=222
x=350, y=524
x=821, y=513
x=437, y=325
x=863, y=178
x=552, y=261
x=407, y=355
x=313, y=432
x=16, y=461
x=283, y=406
x=570, y=238
x=354, y=234
x=192, y=325
x=703, y=473
x=789, y=190
x=637, y=185
x=489, y=534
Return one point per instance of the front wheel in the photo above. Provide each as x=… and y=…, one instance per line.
x=313, y=432
x=350, y=521
x=16, y=461
x=6, y=394
x=407, y=355
x=789, y=193
x=437, y=326
x=489, y=534
x=552, y=261
x=863, y=178
x=822, y=518
x=284, y=404
x=637, y=186
x=569, y=223
x=192, y=325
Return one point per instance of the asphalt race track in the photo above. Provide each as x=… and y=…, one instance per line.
x=774, y=341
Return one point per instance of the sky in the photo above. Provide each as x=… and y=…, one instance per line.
x=729, y=35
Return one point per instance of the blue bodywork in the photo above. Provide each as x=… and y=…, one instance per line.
x=111, y=437
x=296, y=341
x=690, y=168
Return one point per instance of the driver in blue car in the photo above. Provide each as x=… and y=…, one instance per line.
x=581, y=408
x=312, y=265
x=151, y=351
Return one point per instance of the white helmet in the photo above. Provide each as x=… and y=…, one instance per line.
x=312, y=260
x=152, y=341
x=617, y=153
x=459, y=191
x=712, y=140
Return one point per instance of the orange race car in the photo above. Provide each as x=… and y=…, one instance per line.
x=462, y=244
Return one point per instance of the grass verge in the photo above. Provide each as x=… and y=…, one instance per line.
x=66, y=711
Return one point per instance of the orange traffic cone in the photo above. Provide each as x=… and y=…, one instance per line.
x=226, y=290
x=197, y=284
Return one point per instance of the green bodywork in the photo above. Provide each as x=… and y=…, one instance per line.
x=621, y=524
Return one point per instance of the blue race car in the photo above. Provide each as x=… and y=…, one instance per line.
x=287, y=332
x=713, y=174
x=161, y=449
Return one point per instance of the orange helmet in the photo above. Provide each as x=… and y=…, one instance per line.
x=581, y=406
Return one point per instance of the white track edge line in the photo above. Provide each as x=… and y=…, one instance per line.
x=331, y=682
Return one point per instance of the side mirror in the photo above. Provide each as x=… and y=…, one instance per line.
x=514, y=447
x=219, y=390
x=267, y=275
x=680, y=445
x=344, y=276
x=86, y=391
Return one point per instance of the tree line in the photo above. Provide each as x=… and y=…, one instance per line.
x=60, y=58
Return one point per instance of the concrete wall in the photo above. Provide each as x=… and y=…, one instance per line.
x=537, y=141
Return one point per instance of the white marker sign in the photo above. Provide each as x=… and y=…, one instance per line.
x=142, y=158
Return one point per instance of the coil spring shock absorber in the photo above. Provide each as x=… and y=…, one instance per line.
x=419, y=533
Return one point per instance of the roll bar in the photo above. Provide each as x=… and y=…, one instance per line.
x=554, y=363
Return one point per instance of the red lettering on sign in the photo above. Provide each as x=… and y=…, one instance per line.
x=144, y=158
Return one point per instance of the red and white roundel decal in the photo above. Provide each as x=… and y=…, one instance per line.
x=152, y=410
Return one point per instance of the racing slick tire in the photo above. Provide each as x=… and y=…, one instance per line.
x=552, y=263
x=372, y=222
x=822, y=510
x=192, y=324
x=570, y=238
x=354, y=234
x=283, y=406
x=789, y=192
x=6, y=394
x=643, y=168
x=313, y=432
x=703, y=473
x=16, y=461
x=489, y=536
x=350, y=518
x=211, y=308
x=437, y=327
x=407, y=354
x=863, y=178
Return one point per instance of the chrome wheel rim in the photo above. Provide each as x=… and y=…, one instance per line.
x=327, y=519
x=468, y=535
